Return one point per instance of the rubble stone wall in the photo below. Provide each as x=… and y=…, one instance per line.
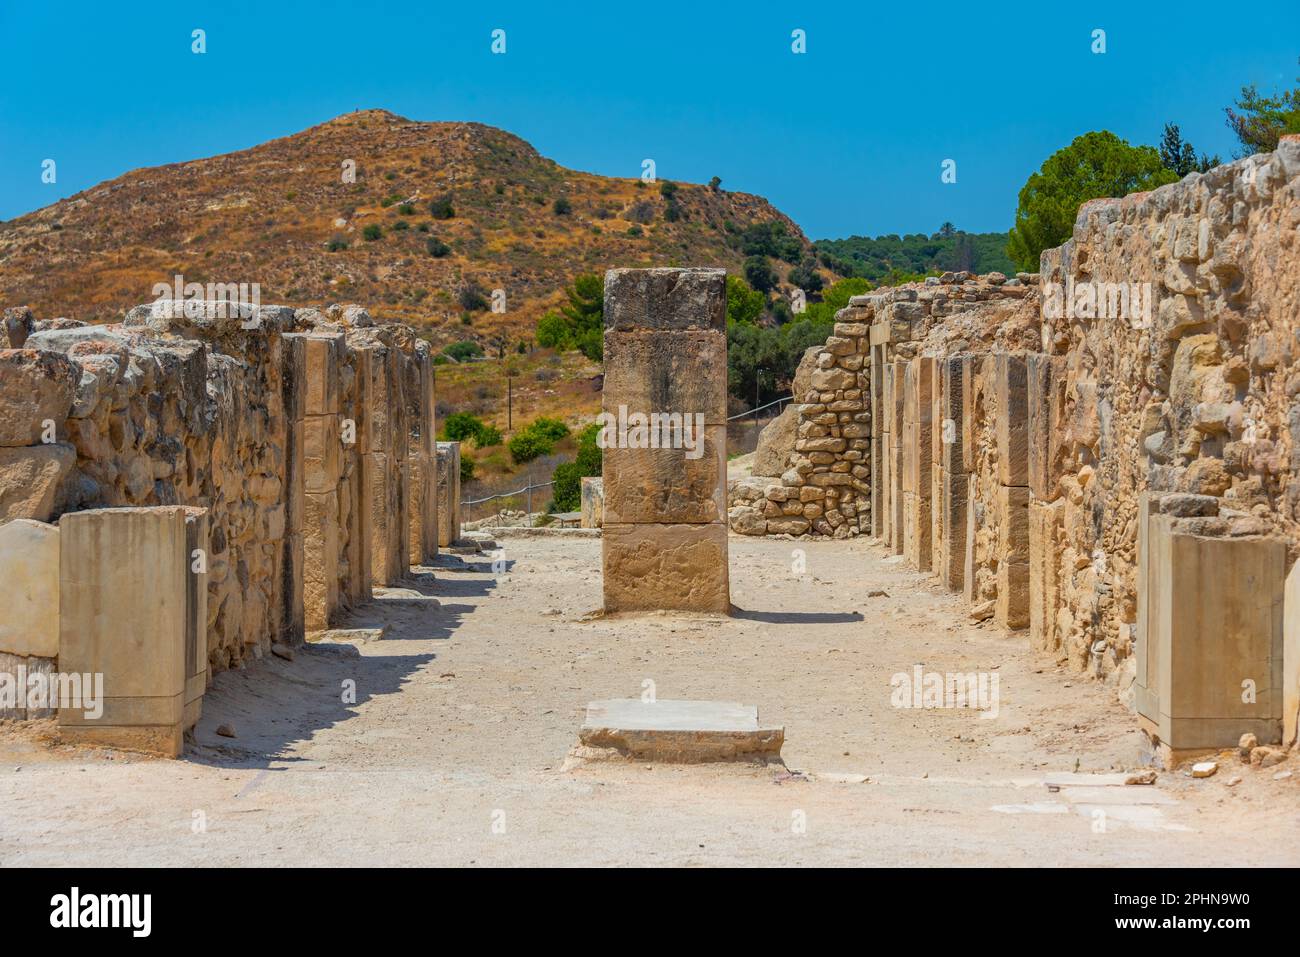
x=295, y=430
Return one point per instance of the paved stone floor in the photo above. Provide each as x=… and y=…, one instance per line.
x=468, y=705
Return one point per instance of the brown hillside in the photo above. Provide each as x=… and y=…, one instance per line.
x=268, y=215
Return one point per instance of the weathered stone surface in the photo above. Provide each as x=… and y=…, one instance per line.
x=1044, y=575
x=1045, y=376
x=1291, y=657
x=17, y=324
x=122, y=614
x=29, y=578
x=1010, y=380
x=678, y=567
x=689, y=732
x=30, y=480
x=682, y=373
x=776, y=442
x=1213, y=619
x=665, y=298
x=448, y=493
x=593, y=502
x=37, y=389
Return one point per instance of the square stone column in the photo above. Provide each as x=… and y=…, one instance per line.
x=125, y=614
x=322, y=470
x=1210, y=631
x=424, y=458
x=918, y=408
x=448, y=457
x=951, y=479
x=895, y=378
x=1011, y=430
x=664, y=540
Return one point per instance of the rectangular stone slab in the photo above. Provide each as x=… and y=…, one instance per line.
x=681, y=372
x=677, y=567
x=665, y=485
x=665, y=298
x=680, y=731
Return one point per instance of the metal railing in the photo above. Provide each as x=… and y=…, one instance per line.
x=757, y=409
x=527, y=488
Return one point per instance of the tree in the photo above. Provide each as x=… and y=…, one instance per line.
x=1179, y=156
x=562, y=206
x=806, y=276
x=759, y=274
x=743, y=303
x=1259, y=121
x=714, y=183
x=1096, y=164
x=580, y=324
x=946, y=231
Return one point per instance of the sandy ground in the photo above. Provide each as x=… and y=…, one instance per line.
x=466, y=709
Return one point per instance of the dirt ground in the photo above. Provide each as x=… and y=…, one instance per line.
x=454, y=751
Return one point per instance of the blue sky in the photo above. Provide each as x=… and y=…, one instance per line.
x=847, y=138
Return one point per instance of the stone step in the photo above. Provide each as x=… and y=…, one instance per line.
x=686, y=732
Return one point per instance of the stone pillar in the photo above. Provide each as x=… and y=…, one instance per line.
x=664, y=540
x=1046, y=432
x=1291, y=658
x=448, y=454
x=321, y=473
x=29, y=621
x=918, y=407
x=292, y=545
x=383, y=457
x=1011, y=427
x=423, y=460
x=593, y=502
x=1210, y=629
x=124, y=614
x=951, y=484
x=879, y=524
x=896, y=374
x=196, y=613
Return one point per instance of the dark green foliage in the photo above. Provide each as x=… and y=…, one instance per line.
x=441, y=208
x=580, y=324
x=466, y=469
x=806, y=277
x=436, y=247
x=1094, y=165
x=401, y=225
x=1258, y=122
x=337, y=243
x=743, y=303
x=461, y=351
x=567, y=491
x=406, y=209
x=1179, y=156
x=562, y=206
x=770, y=239
x=471, y=297
x=885, y=260
x=759, y=274
x=536, y=439
x=372, y=232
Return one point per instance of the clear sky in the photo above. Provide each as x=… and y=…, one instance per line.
x=847, y=138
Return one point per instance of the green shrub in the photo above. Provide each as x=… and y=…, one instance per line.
x=460, y=351
x=437, y=248
x=406, y=209
x=400, y=225
x=526, y=446
x=562, y=206
x=441, y=208
x=487, y=436
x=553, y=429
x=337, y=243
x=466, y=469
x=372, y=232
x=567, y=490
x=460, y=426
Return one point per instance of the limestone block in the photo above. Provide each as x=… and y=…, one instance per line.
x=776, y=442
x=666, y=485
x=969, y=582
x=949, y=423
x=322, y=467
x=423, y=509
x=37, y=389
x=918, y=408
x=321, y=355
x=680, y=372
x=448, y=493
x=665, y=298
x=675, y=567
x=593, y=502
x=1012, y=608
x=196, y=613
x=30, y=479
x=29, y=576
x=1291, y=657
x=387, y=533
x=917, y=549
x=320, y=559
x=951, y=556
x=1047, y=428
x=1044, y=575
x=123, y=614
x=1214, y=611
x=1011, y=388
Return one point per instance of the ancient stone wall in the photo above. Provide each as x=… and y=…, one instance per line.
x=304, y=438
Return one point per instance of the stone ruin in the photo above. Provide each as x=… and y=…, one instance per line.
x=664, y=523
x=1105, y=454
x=189, y=489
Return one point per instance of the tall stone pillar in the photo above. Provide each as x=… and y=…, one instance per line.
x=951, y=480
x=1011, y=425
x=1047, y=429
x=448, y=459
x=322, y=442
x=664, y=540
x=126, y=613
x=918, y=407
x=423, y=458
x=895, y=378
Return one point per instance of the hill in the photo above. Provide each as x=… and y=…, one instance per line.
x=438, y=216
x=948, y=249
